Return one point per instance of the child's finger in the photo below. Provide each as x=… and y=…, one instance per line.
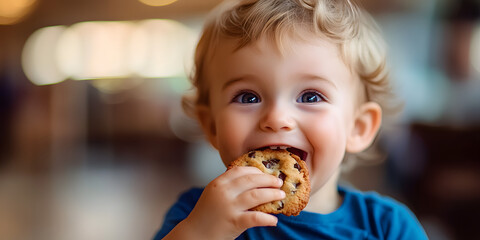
x=255, y=197
x=251, y=219
x=252, y=181
x=236, y=172
x=230, y=184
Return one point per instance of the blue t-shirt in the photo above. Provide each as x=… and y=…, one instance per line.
x=362, y=215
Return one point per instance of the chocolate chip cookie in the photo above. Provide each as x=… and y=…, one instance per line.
x=290, y=169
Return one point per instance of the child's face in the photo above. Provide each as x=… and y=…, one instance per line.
x=303, y=99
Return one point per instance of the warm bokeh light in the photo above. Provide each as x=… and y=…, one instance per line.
x=39, y=60
x=162, y=48
x=93, y=50
x=12, y=11
x=157, y=3
x=155, y=48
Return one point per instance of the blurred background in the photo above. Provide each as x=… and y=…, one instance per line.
x=94, y=144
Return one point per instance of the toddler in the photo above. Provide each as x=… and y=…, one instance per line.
x=309, y=75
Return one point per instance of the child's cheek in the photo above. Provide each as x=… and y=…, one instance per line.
x=324, y=128
x=231, y=134
x=329, y=140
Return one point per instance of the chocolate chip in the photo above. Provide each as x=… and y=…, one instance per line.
x=282, y=176
x=281, y=206
x=251, y=154
x=270, y=163
x=295, y=185
x=297, y=166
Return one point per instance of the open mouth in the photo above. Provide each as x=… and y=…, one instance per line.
x=299, y=152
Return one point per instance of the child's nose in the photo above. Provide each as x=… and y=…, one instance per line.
x=277, y=119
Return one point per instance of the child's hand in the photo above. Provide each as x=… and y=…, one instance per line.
x=222, y=210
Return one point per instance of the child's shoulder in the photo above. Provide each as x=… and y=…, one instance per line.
x=370, y=200
x=388, y=212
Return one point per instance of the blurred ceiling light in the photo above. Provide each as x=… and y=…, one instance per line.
x=153, y=48
x=157, y=3
x=162, y=48
x=13, y=11
x=39, y=61
x=94, y=50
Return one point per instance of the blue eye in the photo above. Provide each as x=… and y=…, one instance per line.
x=247, y=98
x=310, y=97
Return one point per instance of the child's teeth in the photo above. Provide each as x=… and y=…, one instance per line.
x=278, y=147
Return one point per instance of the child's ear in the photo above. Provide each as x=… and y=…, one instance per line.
x=207, y=122
x=366, y=125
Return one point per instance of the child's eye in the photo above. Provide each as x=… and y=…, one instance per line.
x=246, y=97
x=310, y=96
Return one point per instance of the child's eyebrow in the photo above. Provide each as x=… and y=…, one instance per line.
x=314, y=77
x=303, y=77
x=233, y=80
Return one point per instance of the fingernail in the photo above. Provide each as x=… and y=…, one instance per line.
x=280, y=181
